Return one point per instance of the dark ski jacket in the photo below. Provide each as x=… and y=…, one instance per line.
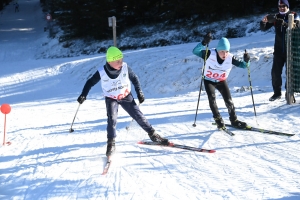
x=280, y=31
x=112, y=73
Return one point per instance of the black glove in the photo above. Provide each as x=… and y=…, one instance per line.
x=271, y=18
x=246, y=57
x=207, y=38
x=280, y=22
x=81, y=99
x=141, y=97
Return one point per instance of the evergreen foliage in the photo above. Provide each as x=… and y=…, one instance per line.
x=89, y=18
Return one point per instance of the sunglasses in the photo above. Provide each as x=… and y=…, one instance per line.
x=281, y=6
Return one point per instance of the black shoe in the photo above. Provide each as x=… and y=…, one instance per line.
x=275, y=97
x=157, y=138
x=220, y=123
x=111, y=146
x=239, y=124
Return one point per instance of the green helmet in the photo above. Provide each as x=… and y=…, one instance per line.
x=113, y=54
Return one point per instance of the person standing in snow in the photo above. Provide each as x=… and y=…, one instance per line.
x=218, y=64
x=16, y=7
x=280, y=22
x=116, y=78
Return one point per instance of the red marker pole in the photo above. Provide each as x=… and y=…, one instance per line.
x=4, y=130
x=5, y=109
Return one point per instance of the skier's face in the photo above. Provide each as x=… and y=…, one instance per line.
x=116, y=64
x=223, y=54
x=282, y=8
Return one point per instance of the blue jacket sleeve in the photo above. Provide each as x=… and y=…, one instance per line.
x=239, y=63
x=198, y=50
x=244, y=65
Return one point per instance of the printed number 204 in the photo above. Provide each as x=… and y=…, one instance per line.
x=215, y=75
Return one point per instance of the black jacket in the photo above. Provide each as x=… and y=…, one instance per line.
x=280, y=31
x=112, y=73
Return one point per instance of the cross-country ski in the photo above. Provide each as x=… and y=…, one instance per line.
x=178, y=146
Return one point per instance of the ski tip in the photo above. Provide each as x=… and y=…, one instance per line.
x=208, y=150
x=171, y=144
x=140, y=142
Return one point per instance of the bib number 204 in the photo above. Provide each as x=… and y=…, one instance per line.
x=215, y=75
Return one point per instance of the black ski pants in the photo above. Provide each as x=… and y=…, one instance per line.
x=129, y=105
x=222, y=87
x=276, y=72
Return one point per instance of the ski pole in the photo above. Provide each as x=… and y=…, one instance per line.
x=194, y=125
x=72, y=130
x=127, y=127
x=249, y=78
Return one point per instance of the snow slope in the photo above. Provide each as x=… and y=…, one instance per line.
x=45, y=161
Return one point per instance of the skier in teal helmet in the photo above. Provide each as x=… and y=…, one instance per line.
x=218, y=65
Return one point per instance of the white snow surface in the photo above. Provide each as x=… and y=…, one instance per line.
x=45, y=161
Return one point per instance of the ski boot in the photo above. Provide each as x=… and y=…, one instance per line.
x=157, y=138
x=238, y=124
x=220, y=123
x=110, y=146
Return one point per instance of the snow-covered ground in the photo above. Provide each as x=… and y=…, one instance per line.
x=45, y=161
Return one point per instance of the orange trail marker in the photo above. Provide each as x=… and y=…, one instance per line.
x=5, y=109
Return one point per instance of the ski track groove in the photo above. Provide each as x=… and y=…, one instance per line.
x=175, y=155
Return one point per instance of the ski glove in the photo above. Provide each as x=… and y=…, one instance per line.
x=141, y=97
x=81, y=99
x=246, y=57
x=207, y=39
x=271, y=18
x=280, y=22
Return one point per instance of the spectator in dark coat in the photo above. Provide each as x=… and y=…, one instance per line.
x=16, y=7
x=280, y=22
